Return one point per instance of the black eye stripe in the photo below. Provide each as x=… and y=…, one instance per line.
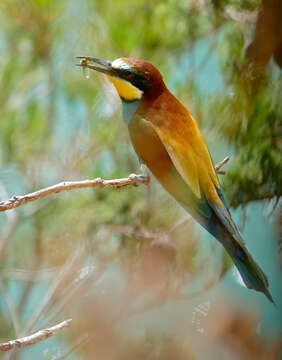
x=134, y=77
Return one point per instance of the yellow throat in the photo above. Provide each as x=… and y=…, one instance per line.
x=126, y=90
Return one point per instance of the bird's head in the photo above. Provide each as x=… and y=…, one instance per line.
x=132, y=78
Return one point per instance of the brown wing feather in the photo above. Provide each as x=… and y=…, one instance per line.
x=183, y=140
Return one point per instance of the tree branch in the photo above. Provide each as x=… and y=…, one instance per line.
x=16, y=201
x=132, y=179
x=34, y=338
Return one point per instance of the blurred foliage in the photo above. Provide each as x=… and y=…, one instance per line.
x=256, y=172
x=55, y=125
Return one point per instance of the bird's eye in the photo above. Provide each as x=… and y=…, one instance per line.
x=128, y=74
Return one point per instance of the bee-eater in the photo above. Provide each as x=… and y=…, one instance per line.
x=168, y=141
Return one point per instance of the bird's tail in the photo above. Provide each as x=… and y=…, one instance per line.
x=225, y=230
x=222, y=227
x=251, y=273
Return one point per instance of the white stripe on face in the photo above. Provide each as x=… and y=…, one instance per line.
x=120, y=64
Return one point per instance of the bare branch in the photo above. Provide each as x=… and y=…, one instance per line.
x=219, y=166
x=34, y=338
x=16, y=201
x=132, y=179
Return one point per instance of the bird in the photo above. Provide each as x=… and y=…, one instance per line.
x=168, y=141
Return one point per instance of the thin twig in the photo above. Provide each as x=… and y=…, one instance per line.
x=16, y=201
x=34, y=338
x=132, y=179
x=219, y=166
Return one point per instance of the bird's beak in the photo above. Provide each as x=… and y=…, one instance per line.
x=105, y=65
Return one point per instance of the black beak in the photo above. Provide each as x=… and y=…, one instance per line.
x=106, y=65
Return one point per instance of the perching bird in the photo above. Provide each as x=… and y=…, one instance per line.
x=168, y=141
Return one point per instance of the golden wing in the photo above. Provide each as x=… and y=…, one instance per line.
x=189, y=154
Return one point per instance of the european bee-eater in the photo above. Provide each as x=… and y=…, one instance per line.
x=168, y=141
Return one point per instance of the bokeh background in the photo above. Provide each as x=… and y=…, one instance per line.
x=139, y=279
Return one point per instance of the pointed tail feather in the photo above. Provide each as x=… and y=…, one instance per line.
x=222, y=227
x=226, y=231
x=251, y=273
